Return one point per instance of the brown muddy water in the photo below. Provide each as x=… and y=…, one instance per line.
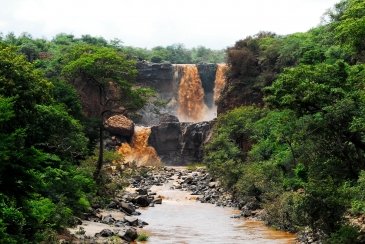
x=181, y=219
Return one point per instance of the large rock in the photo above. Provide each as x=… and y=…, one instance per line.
x=168, y=118
x=129, y=234
x=142, y=201
x=105, y=233
x=180, y=143
x=133, y=221
x=120, y=125
x=127, y=207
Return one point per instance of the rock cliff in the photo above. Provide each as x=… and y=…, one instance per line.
x=179, y=143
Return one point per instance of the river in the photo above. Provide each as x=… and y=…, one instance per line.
x=182, y=219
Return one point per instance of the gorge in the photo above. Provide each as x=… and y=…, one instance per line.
x=180, y=128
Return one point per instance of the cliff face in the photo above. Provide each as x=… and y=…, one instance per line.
x=236, y=94
x=166, y=79
x=89, y=95
x=158, y=76
x=207, y=73
x=180, y=143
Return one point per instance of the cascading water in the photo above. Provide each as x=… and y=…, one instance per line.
x=191, y=105
x=138, y=150
x=220, y=80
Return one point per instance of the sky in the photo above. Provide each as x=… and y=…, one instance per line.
x=148, y=23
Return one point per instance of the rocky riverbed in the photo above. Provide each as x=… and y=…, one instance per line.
x=121, y=220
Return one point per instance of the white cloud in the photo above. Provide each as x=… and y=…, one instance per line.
x=147, y=23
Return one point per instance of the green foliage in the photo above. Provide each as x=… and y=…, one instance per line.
x=302, y=159
x=142, y=236
x=345, y=235
x=286, y=211
x=66, y=94
x=350, y=26
x=357, y=193
x=40, y=145
x=223, y=154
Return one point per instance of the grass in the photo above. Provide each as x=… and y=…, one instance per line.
x=142, y=236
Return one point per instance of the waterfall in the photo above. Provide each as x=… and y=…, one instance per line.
x=139, y=150
x=220, y=80
x=191, y=105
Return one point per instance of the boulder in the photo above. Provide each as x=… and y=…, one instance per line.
x=213, y=184
x=127, y=207
x=142, y=201
x=105, y=233
x=142, y=191
x=108, y=220
x=132, y=221
x=120, y=125
x=129, y=234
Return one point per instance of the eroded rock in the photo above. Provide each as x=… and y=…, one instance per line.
x=120, y=125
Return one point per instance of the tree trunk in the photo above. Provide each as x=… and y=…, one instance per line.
x=101, y=153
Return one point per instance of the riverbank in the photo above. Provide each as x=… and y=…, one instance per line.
x=184, y=215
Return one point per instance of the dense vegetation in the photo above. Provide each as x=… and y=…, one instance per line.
x=175, y=53
x=48, y=170
x=297, y=147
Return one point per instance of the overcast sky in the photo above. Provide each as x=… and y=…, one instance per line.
x=148, y=23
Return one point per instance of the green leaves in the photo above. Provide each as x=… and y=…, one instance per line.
x=350, y=28
x=39, y=142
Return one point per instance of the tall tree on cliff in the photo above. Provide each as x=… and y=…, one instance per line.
x=105, y=69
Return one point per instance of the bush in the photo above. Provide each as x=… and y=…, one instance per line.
x=231, y=140
x=285, y=212
x=345, y=235
x=142, y=236
x=263, y=181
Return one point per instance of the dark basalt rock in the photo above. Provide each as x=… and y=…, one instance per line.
x=132, y=221
x=180, y=143
x=168, y=118
x=207, y=76
x=164, y=78
x=127, y=207
x=142, y=201
x=105, y=233
x=129, y=235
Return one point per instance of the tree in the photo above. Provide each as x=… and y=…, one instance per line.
x=38, y=141
x=350, y=27
x=103, y=67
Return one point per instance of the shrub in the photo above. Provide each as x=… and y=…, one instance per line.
x=285, y=212
x=345, y=235
x=143, y=236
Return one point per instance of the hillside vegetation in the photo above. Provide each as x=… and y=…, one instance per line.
x=290, y=135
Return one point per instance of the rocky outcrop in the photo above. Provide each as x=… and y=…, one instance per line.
x=158, y=76
x=207, y=73
x=89, y=95
x=164, y=79
x=168, y=118
x=180, y=143
x=120, y=125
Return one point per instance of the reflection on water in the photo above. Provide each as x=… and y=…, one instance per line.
x=180, y=220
